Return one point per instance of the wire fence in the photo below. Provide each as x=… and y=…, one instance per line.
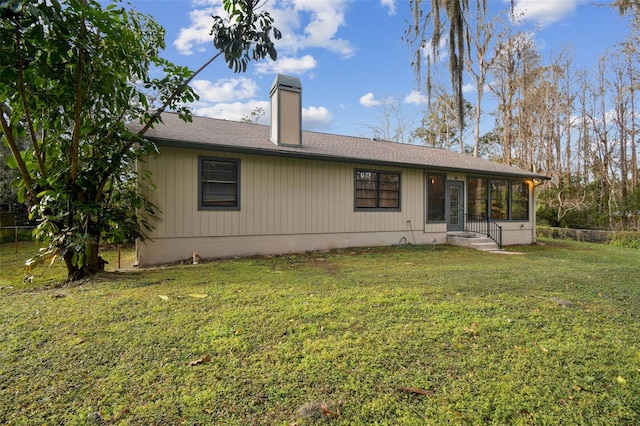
x=12, y=233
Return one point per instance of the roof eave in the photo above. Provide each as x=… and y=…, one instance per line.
x=174, y=143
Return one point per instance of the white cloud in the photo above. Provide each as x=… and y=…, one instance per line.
x=389, y=4
x=468, y=88
x=287, y=65
x=416, y=97
x=225, y=90
x=233, y=111
x=314, y=118
x=369, y=100
x=197, y=34
x=544, y=12
x=324, y=19
x=303, y=23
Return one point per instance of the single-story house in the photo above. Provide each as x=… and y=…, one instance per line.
x=227, y=188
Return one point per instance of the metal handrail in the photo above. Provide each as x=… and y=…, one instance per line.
x=482, y=224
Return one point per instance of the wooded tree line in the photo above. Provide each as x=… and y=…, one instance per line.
x=578, y=126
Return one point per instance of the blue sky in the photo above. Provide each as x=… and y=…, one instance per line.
x=349, y=54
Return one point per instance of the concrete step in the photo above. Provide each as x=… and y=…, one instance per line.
x=475, y=241
x=486, y=246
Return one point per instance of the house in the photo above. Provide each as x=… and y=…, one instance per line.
x=229, y=188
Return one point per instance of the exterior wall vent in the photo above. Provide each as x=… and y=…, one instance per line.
x=286, y=111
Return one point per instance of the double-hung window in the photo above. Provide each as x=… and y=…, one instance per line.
x=377, y=190
x=218, y=184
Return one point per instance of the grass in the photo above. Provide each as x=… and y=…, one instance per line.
x=409, y=336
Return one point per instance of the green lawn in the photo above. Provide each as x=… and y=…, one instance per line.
x=370, y=336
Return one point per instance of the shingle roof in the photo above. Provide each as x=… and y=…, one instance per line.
x=224, y=135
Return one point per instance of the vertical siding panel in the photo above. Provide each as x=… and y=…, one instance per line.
x=299, y=203
x=256, y=197
x=295, y=205
x=271, y=191
x=315, y=200
x=330, y=205
x=310, y=176
x=242, y=216
x=277, y=195
x=160, y=194
x=334, y=201
x=291, y=200
x=279, y=198
x=283, y=184
x=309, y=196
x=190, y=207
x=318, y=189
x=350, y=206
x=156, y=197
x=178, y=223
x=185, y=180
x=300, y=193
x=274, y=193
x=303, y=196
x=151, y=165
x=205, y=229
x=168, y=168
x=328, y=197
x=249, y=194
x=228, y=222
x=264, y=197
x=284, y=202
x=342, y=188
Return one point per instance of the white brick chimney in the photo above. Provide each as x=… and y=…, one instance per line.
x=286, y=111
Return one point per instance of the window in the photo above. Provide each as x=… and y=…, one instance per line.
x=377, y=190
x=435, y=200
x=478, y=196
x=218, y=184
x=501, y=199
x=519, y=201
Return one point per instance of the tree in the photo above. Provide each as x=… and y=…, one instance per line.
x=478, y=41
x=515, y=65
x=73, y=75
x=392, y=122
x=254, y=116
x=439, y=126
x=427, y=28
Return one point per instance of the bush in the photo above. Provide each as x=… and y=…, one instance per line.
x=628, y=239
x=547, y=216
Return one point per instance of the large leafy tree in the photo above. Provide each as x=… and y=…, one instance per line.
x=73, y=74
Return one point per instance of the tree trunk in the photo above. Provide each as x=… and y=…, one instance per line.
x=94, y=262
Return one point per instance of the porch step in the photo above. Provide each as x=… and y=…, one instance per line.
x=471, y=240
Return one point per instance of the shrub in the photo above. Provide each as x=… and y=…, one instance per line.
x=628, y=239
